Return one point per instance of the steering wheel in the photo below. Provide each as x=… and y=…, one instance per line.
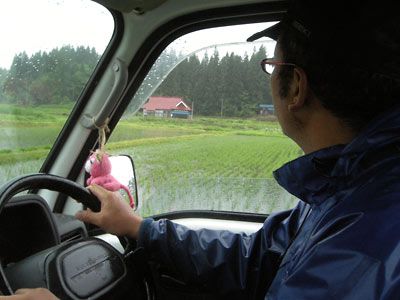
x=87, y=268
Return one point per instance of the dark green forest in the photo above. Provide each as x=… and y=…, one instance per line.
x=51, y=77
x=231, y=85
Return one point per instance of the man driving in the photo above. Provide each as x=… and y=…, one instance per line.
x=335, y=85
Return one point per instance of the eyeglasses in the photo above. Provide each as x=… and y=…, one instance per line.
x=268, y=65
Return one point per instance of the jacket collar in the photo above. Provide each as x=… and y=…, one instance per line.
x=315, y=176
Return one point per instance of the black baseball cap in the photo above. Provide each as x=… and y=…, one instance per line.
x=318, y=19
x=363, y=32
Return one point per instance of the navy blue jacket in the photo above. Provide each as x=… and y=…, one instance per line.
x=342, y=240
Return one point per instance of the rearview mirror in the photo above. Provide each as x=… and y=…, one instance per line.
x=123, y=170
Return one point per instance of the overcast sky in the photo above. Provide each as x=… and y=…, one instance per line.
x=30, y=31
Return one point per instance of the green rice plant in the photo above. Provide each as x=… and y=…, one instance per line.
x=15, y=169
x=32, y=114
x=218, y=193
x=225, y=172
x=23, y=155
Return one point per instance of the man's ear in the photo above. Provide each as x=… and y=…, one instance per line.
x=299, y=90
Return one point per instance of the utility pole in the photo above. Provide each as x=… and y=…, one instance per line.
x=192, y=109
x=222, y=106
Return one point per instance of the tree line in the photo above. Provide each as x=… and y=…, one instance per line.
x=51, y=77
x=232, y=85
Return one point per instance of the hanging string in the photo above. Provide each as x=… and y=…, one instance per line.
x=103, y=130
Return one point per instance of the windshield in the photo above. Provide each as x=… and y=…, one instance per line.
x=202, y=129
x=48, y=52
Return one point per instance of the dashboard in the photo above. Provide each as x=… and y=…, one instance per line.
x=28, y=226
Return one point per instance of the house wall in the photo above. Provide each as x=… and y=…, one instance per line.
x=158, y=113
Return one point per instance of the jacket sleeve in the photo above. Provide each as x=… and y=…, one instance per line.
x=221, y=260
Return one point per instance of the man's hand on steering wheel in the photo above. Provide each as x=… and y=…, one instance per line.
x=115, y=216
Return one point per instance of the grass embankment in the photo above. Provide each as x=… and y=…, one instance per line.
x=22, y=116
x=27, y=132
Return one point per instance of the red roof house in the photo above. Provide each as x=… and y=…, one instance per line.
x=166, y=107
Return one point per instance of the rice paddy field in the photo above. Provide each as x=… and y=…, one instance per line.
x=225, y=172
x=204, y=163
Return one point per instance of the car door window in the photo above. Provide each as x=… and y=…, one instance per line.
x=202, y=129
x=49, y=50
